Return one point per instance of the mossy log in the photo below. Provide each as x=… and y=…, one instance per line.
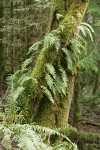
x=82, y=136
x=91, y=123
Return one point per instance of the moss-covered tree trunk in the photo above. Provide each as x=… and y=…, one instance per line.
x=46, y=113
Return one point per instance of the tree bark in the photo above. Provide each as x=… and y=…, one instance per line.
x=46, y=113
x=1, y=47
x=76, y=98
x=96, y=83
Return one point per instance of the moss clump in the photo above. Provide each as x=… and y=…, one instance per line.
x=46, y=114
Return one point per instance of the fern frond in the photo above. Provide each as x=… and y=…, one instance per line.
x=29, y=137
x=86, y=29
x=35, y=47
x=69, y=58
x=51, y=70
x=52, y=40
x=77, y=45
x=58, y=84
x=48, y=93
x=87, y=25
x=26, y=63
x=82, y=29
x=49, y=80
x=63, y=76
x=59, y=16
x=88, y=62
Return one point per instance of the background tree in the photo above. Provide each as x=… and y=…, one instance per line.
x=86, y=99
x=1, y=48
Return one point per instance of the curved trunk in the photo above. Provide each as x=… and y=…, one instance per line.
x=56, y=114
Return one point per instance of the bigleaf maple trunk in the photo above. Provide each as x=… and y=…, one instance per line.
x=42, y=110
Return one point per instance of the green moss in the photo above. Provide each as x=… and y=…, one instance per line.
x=40, y=64
x=58, y=7
x=46, y=114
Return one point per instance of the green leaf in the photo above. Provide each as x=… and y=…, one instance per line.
x=51, y=70
x=17, y=92
x=49, y=80
x=69, y=58
x=52, y=40
x=35, y=47
x=62, y=27
x=26, y=63
x=48, y=93
x=59, y=16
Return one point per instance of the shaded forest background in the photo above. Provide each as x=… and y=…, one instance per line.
x=22, y=23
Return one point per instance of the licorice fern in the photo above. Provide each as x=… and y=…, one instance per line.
x=81, y=58
x=86, y=29
x=52, y=40
x=56, y=84
x=79, y=42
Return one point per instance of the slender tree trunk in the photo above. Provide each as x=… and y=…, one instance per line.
x=1, y=47
x=77, y=109
x=56, y=114
x=96, y=83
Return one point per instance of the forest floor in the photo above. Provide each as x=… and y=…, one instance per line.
x=90, y=122
x=90, y=119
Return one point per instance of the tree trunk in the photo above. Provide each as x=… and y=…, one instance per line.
x=77, y=111
x=96, y=83
x=1, y=48
x=47, y=113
